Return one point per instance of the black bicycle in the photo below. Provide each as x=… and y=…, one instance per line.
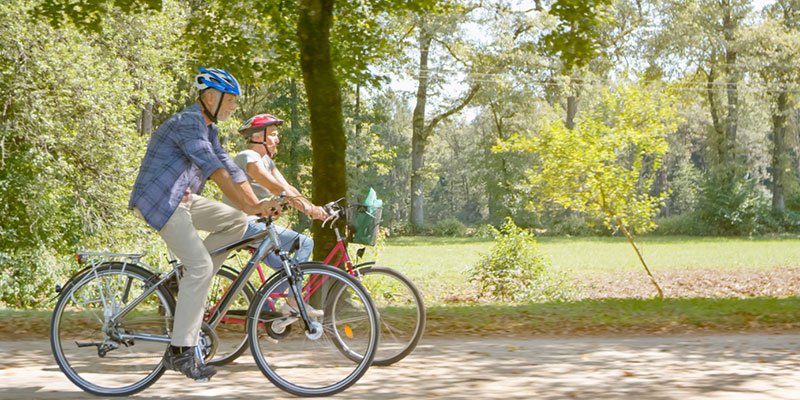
x=111, y=324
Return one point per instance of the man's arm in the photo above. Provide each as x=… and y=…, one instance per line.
x=241, y=194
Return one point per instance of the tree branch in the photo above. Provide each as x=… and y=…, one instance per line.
x=472, y=92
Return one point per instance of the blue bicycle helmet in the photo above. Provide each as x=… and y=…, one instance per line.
x=217, y=79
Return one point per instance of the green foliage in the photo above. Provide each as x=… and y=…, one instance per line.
x=605, y=166
x=70, y=148
x=576, y=37
x=89, y=14
x=28, y=276
x=689, y=223
x=449, y=227
x=729, y=204
x=516, y=270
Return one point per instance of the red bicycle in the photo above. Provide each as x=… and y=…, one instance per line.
x=399, y=303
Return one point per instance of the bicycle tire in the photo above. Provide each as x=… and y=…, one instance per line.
x=111, y=366
x=307, y=363
x=231, y=331
x=401, y=312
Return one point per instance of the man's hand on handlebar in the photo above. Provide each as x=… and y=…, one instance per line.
x=270, y=208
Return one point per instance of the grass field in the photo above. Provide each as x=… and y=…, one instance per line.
x=587, y=317
x=440, y=265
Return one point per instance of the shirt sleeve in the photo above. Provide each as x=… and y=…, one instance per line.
x=192, y=138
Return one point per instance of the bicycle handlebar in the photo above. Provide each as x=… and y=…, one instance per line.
x=334, y=210
x=281, y=200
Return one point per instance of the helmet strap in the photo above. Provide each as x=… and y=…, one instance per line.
x=263, y=143
x=212, y=117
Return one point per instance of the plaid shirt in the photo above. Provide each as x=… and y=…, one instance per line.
x=181, y=155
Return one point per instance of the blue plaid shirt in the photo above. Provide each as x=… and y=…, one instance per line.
x=181, y=155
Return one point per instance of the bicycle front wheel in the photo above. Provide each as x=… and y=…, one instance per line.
x=98, y=355
x=307, y=361
x=401, y=311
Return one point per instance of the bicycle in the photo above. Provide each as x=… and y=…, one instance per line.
x=399, y=303
x=111, y=324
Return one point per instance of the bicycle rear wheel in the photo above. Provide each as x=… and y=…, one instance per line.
x=231, y=333
x=98, y=356
x=309, y=363
x=400, y=309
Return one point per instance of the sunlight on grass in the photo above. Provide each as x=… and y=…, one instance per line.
x=439, y=265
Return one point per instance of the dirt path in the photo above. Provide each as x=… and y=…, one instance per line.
x=670, y=367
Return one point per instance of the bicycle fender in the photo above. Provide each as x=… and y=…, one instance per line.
x=364, y=264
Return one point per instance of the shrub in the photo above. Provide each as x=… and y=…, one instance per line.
x=28, y=278
x=448, y=227
x=729, y=204
x=515, y=270
x=684, y=224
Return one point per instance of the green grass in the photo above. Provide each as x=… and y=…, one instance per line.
x=589, y=317
x=439, y=265
x=625, y=316
x=608, y=255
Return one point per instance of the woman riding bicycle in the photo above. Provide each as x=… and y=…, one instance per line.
x=261, y=134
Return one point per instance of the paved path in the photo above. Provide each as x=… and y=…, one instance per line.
x=670, y=367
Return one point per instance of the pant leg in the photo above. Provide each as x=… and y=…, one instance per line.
x=287, y=237
x=224, y=223
x=182, y=239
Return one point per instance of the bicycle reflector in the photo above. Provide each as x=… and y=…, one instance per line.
x=348, y=331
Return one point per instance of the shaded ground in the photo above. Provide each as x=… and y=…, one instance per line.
x=658, y=367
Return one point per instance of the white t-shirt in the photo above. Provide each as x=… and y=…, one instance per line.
x=247, y=157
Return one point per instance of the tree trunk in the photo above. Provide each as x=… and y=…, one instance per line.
x=419, y=136
x=572, y=111
x=732, y=122
x=779, y=153
x=147, y=120
x=641, y=259
x=718, y=153
x=328, y=140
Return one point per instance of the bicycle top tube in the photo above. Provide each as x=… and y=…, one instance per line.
x=243, y=242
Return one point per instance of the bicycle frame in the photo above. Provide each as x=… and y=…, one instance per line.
x=220, y=310
x=339, y=249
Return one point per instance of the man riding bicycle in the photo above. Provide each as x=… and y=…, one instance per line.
x=181, y=155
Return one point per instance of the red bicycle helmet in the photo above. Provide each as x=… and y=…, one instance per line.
x=258, y=123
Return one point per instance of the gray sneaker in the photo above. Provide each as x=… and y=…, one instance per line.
x=188, y=364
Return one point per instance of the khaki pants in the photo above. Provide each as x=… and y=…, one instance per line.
x=225, y=224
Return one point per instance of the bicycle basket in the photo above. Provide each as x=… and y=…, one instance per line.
x=363, y=222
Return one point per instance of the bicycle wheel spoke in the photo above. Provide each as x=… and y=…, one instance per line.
x=401, y=311
x=320, y=362
x=93, y=352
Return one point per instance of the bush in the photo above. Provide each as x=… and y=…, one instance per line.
x=729, y=204
x=28, y=278
x=450, y=227
x=515, y=270
x=690, y=224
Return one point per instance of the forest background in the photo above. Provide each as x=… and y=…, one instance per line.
x=453, y=111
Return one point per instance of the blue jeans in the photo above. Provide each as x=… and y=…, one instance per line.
x=286, y=237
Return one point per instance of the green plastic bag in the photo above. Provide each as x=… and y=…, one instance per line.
x=364, y=219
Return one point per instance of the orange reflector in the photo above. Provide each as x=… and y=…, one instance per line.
x=348, y=331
